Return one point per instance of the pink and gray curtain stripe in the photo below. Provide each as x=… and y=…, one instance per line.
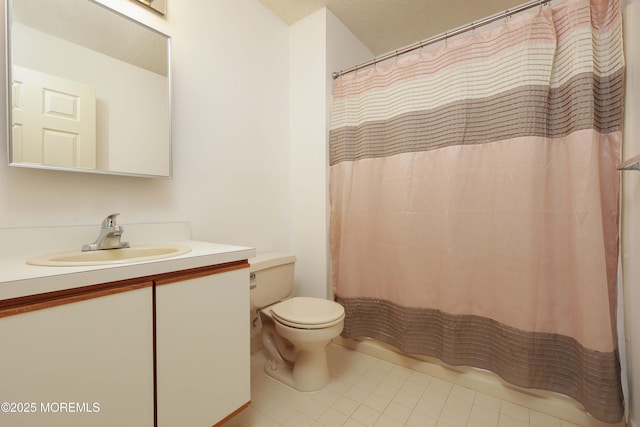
x=474, y=201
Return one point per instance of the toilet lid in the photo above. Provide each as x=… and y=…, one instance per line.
x=308, y=313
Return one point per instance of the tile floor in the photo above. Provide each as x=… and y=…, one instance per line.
x=365, y=391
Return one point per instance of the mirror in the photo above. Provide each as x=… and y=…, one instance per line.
x=88, y=89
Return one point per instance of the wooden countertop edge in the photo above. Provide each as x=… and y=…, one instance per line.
x=19, y=305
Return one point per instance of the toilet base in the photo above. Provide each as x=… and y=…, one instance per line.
x=298, y=357
x=282, y=373
x=309, y=372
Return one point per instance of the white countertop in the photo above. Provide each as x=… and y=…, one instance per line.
x=17, y=278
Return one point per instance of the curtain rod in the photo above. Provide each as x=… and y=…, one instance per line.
x=443, y=36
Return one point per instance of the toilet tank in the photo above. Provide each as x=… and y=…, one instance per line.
x=271, y=278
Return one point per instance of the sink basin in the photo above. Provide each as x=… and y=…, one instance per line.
x=110, y=256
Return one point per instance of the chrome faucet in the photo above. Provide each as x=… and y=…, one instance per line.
x=109, y=237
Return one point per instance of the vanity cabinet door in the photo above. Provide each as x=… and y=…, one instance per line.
x=202, y=348
x=83, y=361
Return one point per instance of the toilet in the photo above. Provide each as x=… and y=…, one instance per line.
x=295, y=330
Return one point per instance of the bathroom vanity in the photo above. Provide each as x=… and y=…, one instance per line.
x=162, y=342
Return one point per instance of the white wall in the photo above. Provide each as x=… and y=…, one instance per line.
x=631, y=206
x=319, y=45
x=307, y=46
x=230, y=136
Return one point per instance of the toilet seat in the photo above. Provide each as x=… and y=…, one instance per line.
x=307, y=313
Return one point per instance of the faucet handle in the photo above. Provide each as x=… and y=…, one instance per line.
x=110, y=221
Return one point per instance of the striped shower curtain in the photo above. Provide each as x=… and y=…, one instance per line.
x=474, y=201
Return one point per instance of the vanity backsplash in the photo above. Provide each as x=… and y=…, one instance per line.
x=30, y=241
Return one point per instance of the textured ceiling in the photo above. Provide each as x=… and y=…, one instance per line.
x=387, y=25
x=97, y=28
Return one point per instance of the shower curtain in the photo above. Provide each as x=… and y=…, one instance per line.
x=474, y=201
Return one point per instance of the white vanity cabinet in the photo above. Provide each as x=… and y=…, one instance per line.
x=167, y=348
x=79, y=360
x=202, y=347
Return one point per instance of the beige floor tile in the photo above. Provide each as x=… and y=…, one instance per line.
x=401, y=371
x=345, y=405
x=420, y=378
x=332, y=418
x=326, y=396
x=478, y=423
x=413, y=388
x=264, y=423
x=357, y=393
x=539, y=419
x=281, y=412
x=398, y=412
x=484, y=414
x=386, y=391
x=377, y=402
x=298, y=420
x=516, y=411
x=463, y=392
x=393, y=381
x=508, y=421
x=369, y=381
x=407, y=398
x=339, y=386
x=487, y=401
x=365, y=415
x=387, y=421
x=459, y=404
x=440, y=386
x=453, y=417
x=418, y=419
x=431, y=403
x=368, y=392
x=313, y=408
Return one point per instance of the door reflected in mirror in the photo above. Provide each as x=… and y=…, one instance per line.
x=88, y=88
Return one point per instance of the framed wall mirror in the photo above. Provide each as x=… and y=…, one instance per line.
x=89, y=89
